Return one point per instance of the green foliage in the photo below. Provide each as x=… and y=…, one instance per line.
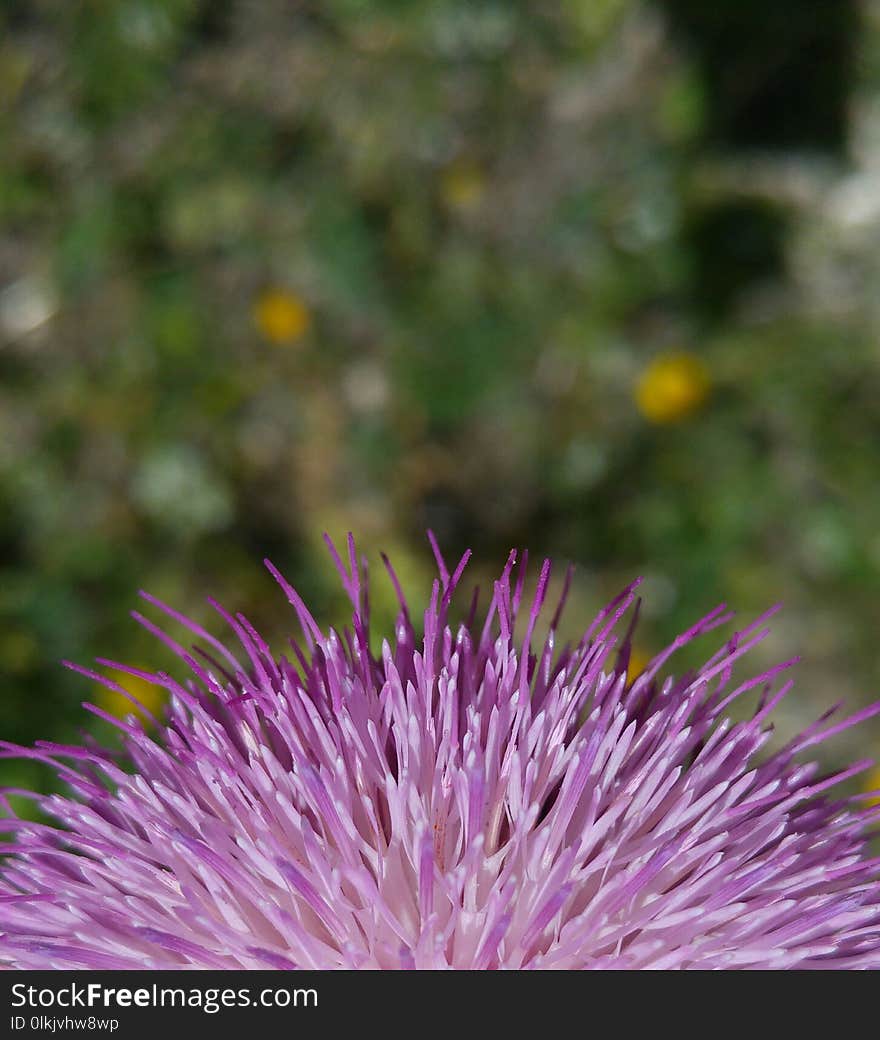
x=273, y=268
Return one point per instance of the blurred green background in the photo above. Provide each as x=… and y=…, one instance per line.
x=598, y=277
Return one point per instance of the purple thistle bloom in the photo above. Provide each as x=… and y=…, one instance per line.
x=461, y=800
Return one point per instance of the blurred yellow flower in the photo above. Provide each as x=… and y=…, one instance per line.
x=19, y=651
x=281, y=316
x=872, y=783
x=152, y=697
x=672, y=387
x=463, y=186
x=638, y=662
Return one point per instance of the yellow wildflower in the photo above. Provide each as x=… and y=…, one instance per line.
x=19, y=650
x=152, y=697
x=672, y=387
x=463, y=186
x=872, y=783
x=638, y=662
x=281, y=316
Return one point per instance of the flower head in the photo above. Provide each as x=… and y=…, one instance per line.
x=281, y=316
x=129, y=693
x=463, y=186
x=673, y=387
x=474, y=797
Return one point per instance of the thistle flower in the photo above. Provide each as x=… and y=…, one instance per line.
x=463, y=799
